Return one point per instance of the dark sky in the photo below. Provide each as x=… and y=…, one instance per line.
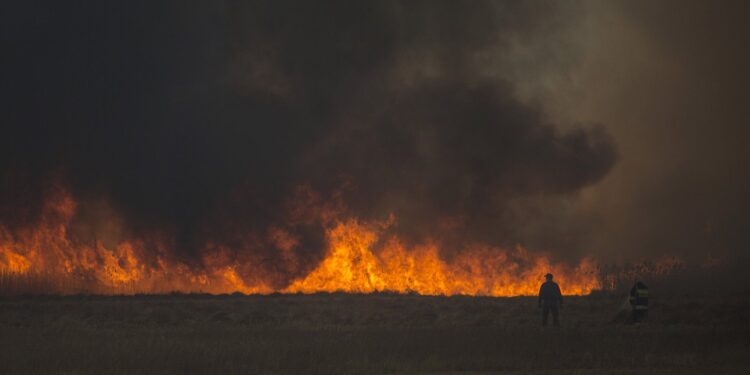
x=615, y=129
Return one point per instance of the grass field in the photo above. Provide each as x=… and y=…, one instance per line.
x=367, y=334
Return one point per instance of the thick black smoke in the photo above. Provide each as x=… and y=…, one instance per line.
x=207, y=120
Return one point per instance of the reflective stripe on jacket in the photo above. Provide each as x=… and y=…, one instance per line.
x=639, y=296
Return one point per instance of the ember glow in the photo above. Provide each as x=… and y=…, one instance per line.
x=48, y=255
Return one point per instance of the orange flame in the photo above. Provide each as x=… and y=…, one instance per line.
x=354, y=263
x=351, y=266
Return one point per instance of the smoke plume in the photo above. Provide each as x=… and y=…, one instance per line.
x=254, y=126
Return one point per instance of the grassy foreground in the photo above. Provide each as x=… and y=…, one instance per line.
x=367, y=334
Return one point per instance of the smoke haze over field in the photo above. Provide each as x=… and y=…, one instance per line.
x=613, y=130
x=668, y=81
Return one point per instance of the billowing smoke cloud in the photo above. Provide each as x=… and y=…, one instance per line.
x=668, y=80
x=217, y=122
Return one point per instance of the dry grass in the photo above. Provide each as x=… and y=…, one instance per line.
x=370, y=334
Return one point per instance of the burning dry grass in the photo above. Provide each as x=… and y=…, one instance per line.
x=366, y=334
x=47, y=257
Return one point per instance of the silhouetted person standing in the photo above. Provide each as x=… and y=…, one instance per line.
x=550, y=300
x=639, y=301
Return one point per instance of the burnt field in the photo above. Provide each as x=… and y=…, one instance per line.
x=367, y=334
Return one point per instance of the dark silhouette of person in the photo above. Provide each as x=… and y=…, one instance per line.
x=550, y=300
x=639, y=301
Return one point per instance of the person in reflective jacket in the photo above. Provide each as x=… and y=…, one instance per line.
x=639, y=301
x=550, y=300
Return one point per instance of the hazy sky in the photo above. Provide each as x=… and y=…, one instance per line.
x=668, y=82
x=607, y=128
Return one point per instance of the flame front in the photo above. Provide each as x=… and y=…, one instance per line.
x=352, y=266
x=360, y=258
